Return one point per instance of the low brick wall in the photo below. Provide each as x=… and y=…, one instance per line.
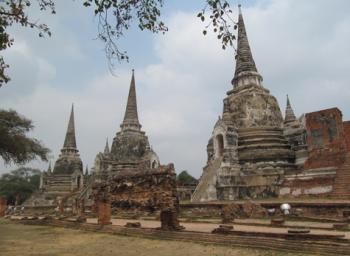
x=293, y=187
x=200, y=210
x=320, y=244
x=312, y=209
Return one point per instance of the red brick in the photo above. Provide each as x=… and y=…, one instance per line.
x=3, y=206
x=346, y=126
x=325, y=139
x=104, y=213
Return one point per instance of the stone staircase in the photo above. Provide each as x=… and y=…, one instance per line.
x=208, y=177
x=342, y=181
x=59, y=183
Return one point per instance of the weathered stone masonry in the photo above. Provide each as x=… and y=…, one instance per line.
x=254, y=153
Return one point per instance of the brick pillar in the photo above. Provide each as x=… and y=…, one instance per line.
x=104, y=213
x=169, y=220
x=3, y=206
x=60, y=206
x=75, y=207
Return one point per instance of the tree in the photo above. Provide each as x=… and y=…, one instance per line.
x=16, y=11
x=114, y=18
x=19, y=184
x=185, y=178
x=15, y=146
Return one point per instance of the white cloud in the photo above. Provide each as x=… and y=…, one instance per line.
x=180, y=96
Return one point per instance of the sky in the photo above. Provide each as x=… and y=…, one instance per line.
x=301, y=48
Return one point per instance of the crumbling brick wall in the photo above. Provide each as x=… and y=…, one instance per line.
x=325, y=139
x=328, y=140
x=346, y=126
x=142, y=189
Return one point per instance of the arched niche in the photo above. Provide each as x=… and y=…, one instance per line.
x=154, y=164
x=219, y=139
x=78, y=181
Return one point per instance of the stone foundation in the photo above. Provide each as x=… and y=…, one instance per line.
x=309, y=183
x=319, y=244
x=304, y=209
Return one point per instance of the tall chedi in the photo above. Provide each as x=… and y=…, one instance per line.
x=248, y=154
x=130, y=147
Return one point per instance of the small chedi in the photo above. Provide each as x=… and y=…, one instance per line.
x=66, y=178
x=255, y=153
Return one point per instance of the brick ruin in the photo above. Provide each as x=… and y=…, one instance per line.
x=3, y=206
x=255, y=153
x=325, y=139
x=144, y=190
x=130, y=177
x=326, y=170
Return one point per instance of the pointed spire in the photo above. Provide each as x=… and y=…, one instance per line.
x=87, y=170
x=131, y=120
x=106, y=151
x=49, y=169
x=69, y=141
x=245, y=61
x=290, y=117
x=70, y=145
x=245, y=64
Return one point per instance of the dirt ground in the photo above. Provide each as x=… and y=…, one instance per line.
x=23, y=240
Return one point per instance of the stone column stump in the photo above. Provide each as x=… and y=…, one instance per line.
x=104, y=213
x=169, y=220
x=3, y=206
x=81, y=208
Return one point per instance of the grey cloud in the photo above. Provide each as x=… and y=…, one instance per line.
x=300, y=48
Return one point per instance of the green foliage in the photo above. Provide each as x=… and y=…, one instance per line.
x=115, y=17
x=220, y=21
x=19, y=184
x=184, y=177
x=16, y=12
x=15, y=146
